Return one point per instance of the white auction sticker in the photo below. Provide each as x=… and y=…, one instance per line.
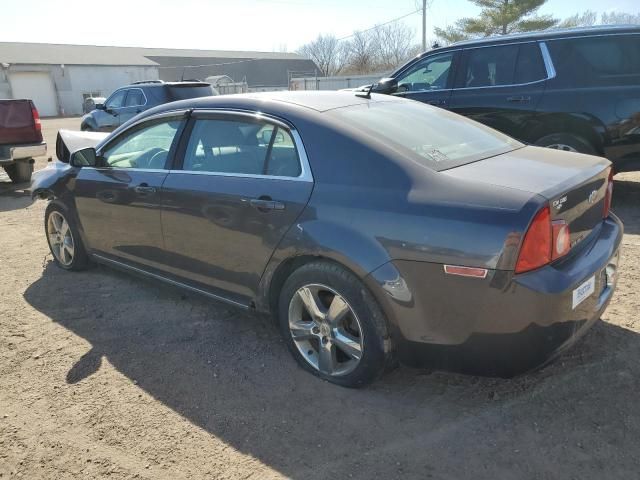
x=583, y=292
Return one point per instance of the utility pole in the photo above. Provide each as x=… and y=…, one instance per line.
x=424, y=25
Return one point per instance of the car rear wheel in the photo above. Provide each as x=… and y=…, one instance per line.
x=20, y=171
x=566, y=142
x=64, y=240
x=333, y=325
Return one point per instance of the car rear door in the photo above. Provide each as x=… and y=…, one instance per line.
x=118, y=202
x=501, y=86
x=241, y=184
x=429, y=80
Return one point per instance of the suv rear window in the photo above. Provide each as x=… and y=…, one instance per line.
x=178, y=92
x=612, y=59
x=501, y=65
x=432, y=137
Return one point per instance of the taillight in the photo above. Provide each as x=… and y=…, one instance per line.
x=561, y=239
x=536, y=246
x=36, y=118
x=544, y=242
x=608, y=196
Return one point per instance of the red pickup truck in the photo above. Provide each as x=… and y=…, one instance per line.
x=20, y=138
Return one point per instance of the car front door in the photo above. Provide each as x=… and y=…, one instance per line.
x=134, y=103
x=429, y=80
x=109, y=118
x=118, y=202
x=241, y=185
x=501, y=86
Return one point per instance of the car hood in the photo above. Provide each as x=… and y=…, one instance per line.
x=70, y=141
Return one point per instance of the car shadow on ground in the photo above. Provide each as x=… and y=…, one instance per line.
x=14, y=196
x=229, y=373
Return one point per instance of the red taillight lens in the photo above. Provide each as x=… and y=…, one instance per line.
x=36, y=118
x=609, y=196
x=544, y=242
x=536, y=247
x=561, y=239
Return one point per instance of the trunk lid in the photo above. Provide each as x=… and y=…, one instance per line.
x=574, y=184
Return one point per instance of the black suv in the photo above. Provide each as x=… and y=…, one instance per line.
x=126, y=102
x=576, y=90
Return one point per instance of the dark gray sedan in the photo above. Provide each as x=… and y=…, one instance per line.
x=376, y=230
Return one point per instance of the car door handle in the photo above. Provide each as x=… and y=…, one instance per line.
x=144, y=189
x=519, y=99
x=438, y=103
x=265, y=203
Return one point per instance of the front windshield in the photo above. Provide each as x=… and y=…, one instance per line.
x=433, y=137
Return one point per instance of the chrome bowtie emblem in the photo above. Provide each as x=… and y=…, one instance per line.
x=592, y=196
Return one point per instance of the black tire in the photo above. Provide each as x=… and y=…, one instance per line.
x=20, y=171
x=85, y=127
x=80, y=260
x=569, y=141
x=376, y=355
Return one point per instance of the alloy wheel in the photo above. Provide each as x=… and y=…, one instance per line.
x=60, y=238
x=325, y=330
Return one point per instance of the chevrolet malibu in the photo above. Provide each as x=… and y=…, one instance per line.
x=377, y=230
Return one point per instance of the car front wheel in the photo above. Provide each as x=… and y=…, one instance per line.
x=333, y=325
x=64, y=239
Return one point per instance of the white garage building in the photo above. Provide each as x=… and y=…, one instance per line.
x=58, y=77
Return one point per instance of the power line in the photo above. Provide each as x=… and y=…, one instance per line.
x=212, y=64
x=380, y=24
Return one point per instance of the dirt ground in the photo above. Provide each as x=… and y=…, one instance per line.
x=104, y=375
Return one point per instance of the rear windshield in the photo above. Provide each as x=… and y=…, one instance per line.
x=433, y=137
x=182, y=93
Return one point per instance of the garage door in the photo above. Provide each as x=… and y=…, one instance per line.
x=38, y=87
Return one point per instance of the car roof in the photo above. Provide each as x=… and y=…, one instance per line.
x=161, y=83
x=542, y=35
x=280, y=102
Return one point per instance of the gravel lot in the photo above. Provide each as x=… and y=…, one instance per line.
x=104, y=375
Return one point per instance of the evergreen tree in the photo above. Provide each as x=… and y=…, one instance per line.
x=499, y=17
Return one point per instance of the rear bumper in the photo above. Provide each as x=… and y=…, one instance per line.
x=10, y=154
x=503, y=325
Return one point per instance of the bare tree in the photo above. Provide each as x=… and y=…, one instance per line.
x=328, y=53
x=585, y=19
x=395, y=44
x=362, y=52
x=620, y=18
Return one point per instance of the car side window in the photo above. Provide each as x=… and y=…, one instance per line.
x=530, y=65
x=590, y=61
x=238, y=147
x=135, y=97
x=431, y=73
x=490, y=66
x=116, y=100
x=146, y=147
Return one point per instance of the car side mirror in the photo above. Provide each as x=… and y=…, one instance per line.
x=86, y=157
x=101, y=106
x=386, y=86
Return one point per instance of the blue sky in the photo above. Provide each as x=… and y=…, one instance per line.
x=232, y=24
